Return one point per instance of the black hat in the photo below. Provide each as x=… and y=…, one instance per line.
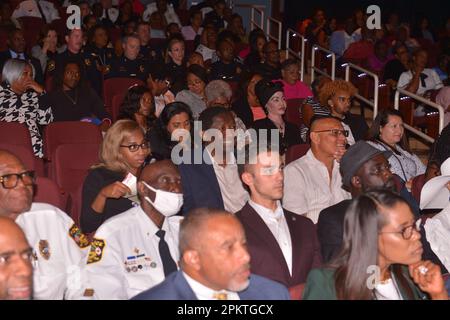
x=355, y=157
x=265, y=89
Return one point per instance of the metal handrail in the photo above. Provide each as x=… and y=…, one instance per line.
x=365, y=72
x=253, y=22
x=269, y=21
x=330, y=54
x=424, y=101
x=301, y=54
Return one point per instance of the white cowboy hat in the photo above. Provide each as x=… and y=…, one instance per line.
x=435, y=194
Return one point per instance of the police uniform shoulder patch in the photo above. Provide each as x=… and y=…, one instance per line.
x=51, y=65
x=44, y=249
x=96, y=251
x=79, y=237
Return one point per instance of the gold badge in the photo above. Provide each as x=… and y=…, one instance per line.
x=87, y=62
x=79, y=237
x=141, y=68
x=109, y=55
x=96, y=251
x=44, y=249
x=51, y=66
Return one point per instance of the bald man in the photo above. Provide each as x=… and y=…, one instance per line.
x=15, y=262
x=313, y=182
x=59, y=246
x=215, y=263
x=137, y=249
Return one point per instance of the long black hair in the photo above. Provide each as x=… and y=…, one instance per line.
x=169, y=111
x=362, y=223
x=132, y=103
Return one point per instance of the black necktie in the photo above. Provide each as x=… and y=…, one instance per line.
x=168, y=264
x=41, y=11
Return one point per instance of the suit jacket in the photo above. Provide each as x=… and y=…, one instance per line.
x=38, y=77
x=175, y=287
x=266, y=256
x=200, y=186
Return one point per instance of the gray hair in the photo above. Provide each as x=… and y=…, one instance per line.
x=130, y=36
x=13, y=69
x=216, y=89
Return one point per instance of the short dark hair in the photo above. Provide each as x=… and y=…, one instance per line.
x=199, y=72
x=207, y=116
x=288, y=62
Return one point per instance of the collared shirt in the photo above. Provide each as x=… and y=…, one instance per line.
x=189, y=33
x=233, y=193
x=432, y=81
x=16, y=55
x=340, y=40
x=59, y=250
x=113, y=14
x=29, y=8
x=207, y=53
x=308, y=189
x=277, y=224
x=124, y=257
x=204, y=293
x=170, y=14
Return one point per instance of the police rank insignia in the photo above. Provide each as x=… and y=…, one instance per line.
x=87, y=62
x=141, y=68
x=44, y=249
x=96, y=251
x=51, y=66
x=79, y=237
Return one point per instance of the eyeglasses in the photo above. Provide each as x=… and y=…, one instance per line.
x=9, y=181
x=135, y=147
x=335, y=132
x=407, y=231
x=379, y=169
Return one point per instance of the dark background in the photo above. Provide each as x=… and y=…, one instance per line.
x=436, y=10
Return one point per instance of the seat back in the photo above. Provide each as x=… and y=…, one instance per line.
x=70, y=132
x=116, y=103
x=26, y=156
x=31, y=28
x=15, y=133
x=47, y=191
x=296, y=151
x=293, y=113
x=72, y=162
x=114, y=86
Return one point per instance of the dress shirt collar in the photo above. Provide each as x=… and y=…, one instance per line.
x=204, y=293
x=266, y=213
x=16, y=55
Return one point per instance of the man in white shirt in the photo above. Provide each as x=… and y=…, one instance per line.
x=37, y=8
x=137, y=249
x=58, y=245
x=215, y=264
x=340, y=40
x=110, y=14
x=283, y=246
x=16, y=271
x=313, y=182
x=165, y=9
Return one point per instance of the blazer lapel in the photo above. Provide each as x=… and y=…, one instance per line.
x=296, y=250
x=183, y=288
x=208, y=170
x=259, y=227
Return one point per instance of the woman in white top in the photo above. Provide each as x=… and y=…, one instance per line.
x=380, y=258
x=387, y=133
x=195, y=29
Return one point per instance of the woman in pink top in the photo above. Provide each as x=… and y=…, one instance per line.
x=292, y=86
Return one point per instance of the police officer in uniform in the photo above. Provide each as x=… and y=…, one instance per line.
x=137, y=249
x=59, y=246
x=75, y=52
x=131, y=64
x=97, y=51
x=152, y=53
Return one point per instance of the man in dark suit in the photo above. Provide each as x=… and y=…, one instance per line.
x=363, y=167
x=16, y=50
x=214, y=181
x=283, y=245
x=215, y=263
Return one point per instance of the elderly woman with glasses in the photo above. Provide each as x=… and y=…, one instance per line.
x=380, y=258
x=387, y=133
x=110, y=185
x=21, y=101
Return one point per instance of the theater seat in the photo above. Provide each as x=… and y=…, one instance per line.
x=47, y=191
x=114, y=86
x=27, y=157
x=116, y=104
x=296, y=152
x=293, y=113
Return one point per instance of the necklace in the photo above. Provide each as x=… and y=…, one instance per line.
x=74, y=101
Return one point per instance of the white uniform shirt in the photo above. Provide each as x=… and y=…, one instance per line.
x=170, y=14
x=204, y=293
x=277, y=224
x=59, y=249
x=207, y=53
x=234, y=195
x=432, y=82
x=308, y=189
x=124, y=257
x=29, y=8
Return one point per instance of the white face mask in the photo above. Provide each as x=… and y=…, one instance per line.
x=167, y=203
